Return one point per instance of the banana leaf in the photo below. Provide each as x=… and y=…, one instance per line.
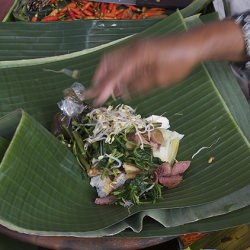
x=226, y=221
x=26, y=40
x=234, y=238
x=211, y=118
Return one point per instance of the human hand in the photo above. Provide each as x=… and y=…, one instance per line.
x=149, y=63
x=140, y=66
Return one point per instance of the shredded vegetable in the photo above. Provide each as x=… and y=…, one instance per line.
x=128, y=158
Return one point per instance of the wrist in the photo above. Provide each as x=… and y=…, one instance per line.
x=222, y=40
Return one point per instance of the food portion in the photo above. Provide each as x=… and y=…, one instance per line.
x=62, y=10
x=127, y=158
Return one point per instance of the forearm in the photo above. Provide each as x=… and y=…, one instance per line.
x=222, y=40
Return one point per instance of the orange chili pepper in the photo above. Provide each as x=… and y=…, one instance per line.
x=110, y=7
x=109, y=15
x=87, y=5
x=71, y=5
x=113, y=10
x=54, y=12
x=68, y=6
x=76, y=11
x=135, y=16
x=153, y=13
x=87, y=13
x=133, y=8
x=126, y=14
x=90, y=17
x=157, y=9
x=49, y=19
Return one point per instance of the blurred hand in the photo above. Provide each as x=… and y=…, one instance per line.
x=140, y=66
x=149, y=63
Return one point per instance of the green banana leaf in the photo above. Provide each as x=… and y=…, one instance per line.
x=226, y=221
x=234, y=238
x=26, y=40
x=212, y=121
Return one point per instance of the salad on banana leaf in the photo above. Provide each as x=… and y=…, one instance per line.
x=128, y=158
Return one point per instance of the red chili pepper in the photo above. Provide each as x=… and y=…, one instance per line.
x=113, y=11
x=110, y=7
x=87, y=13
x=34, y=18
x=95, y=5
x=87, y=5
x=103, y=9
x=188, y=239
x=54, y=12
x=68, y=6
x=68, y=19
x=151, y=13
x=140, y=16
x=133, y=8
x=124, y=14
x=77, y=11
x=135, y=16
x=72, y=15
x=110, y=16
x=50, y=19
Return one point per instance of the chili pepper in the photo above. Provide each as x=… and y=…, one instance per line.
x=77, y=12
x=54, y=12
x=110, y=7
x=126, y=14
x=133, y=8
x=68, y=6
x=34, y=18
x=95, y=5
x=53, y=2
x=157, y=9
x=87, y=13
x=110, y=16
x=153, y=13
x=87, y=5
x=49, y=19
x=68, y=19
x=90, y=17
x=113, y=10
x=72, y=15
x=135, y=16
x=140, y=16
x=103, y=9
x=71, y=5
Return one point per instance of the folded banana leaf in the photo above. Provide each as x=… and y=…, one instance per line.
x=229, y=220
x=26, y=40
x=35, y=166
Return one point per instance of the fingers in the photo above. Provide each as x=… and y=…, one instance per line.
x=117, y=74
